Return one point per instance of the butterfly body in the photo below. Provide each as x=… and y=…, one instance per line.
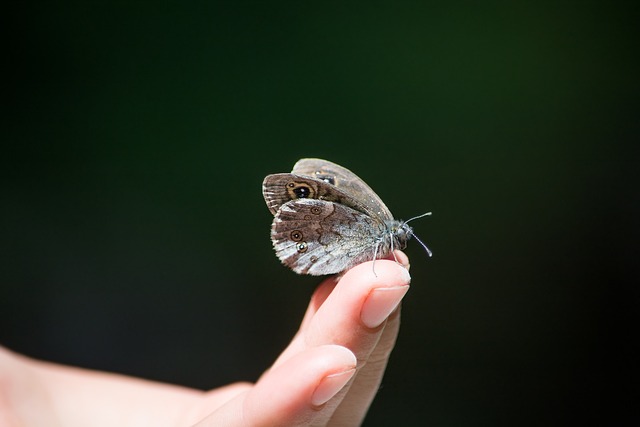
x=327, y=220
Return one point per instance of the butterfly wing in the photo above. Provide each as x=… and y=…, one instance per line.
x=281, y=188
x=346, y=181
x=319, y=237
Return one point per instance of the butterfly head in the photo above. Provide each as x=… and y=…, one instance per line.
x=400, y=233
x=405, y=233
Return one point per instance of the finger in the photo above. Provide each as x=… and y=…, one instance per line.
x=318, y=298
x=353, y=315
x=367, y=382
x=326, y=287
x=293, y=394
x=400, y=257
x=357, y=315
x=221, y=395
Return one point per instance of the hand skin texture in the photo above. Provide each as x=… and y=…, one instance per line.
x=327, y=376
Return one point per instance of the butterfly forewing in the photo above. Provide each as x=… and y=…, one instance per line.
x=346, y=181
x=281, y=188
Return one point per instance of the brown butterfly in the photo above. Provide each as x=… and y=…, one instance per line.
x=327, y=219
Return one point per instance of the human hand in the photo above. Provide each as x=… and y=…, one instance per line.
x=328, y=375
x=332, y=369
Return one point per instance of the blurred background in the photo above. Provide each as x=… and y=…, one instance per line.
x=134, y=237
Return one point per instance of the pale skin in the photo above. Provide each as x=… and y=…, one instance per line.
x=327, y=376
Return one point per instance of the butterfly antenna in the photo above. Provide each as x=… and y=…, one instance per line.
x=419, y=216
x=423, y=245
x=416, y=237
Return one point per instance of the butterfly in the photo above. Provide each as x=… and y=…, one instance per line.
x=327, y=219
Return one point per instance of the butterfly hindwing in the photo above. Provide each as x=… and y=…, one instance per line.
x=319, y=237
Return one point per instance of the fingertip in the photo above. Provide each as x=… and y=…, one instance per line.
x=380, y=303
x=296, y=388
x=379, y=272
x=330, y=386
x=341, y=355
x=401, y=257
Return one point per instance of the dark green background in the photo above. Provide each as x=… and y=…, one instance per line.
x=135, y=238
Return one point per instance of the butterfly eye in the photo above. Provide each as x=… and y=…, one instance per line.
x=302, y=247
x=296, y=235
x=316, y=210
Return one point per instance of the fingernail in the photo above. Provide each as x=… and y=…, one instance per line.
x=330, y=386
x=380, y=304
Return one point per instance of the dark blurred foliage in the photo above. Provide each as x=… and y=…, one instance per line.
x=134, y=237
